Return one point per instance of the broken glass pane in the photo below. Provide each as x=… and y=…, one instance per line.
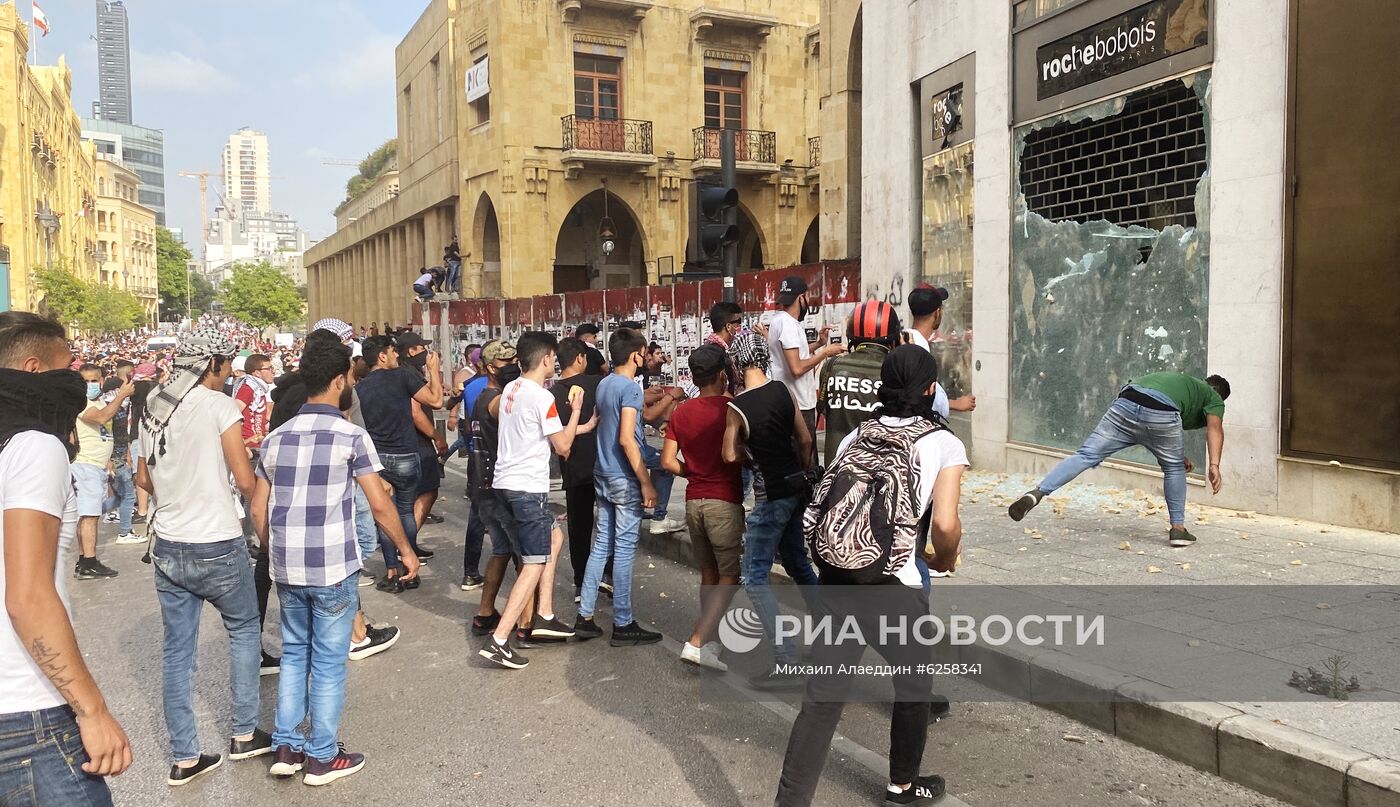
x=1107, y=289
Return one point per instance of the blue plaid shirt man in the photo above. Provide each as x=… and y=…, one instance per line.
x=311, y=463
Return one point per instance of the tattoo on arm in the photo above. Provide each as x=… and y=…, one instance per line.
x=51, y=663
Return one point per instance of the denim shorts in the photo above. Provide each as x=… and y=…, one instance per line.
x=498, y=522
x=91, y=484
x=535, y=522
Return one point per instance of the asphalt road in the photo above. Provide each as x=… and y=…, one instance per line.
x=584, y=724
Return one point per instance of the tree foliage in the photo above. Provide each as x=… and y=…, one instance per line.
x=260, y=294
x=384, y=158
x=172, y=257
x=93, y=306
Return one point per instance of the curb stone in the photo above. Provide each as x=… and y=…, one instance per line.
x=1277, y=760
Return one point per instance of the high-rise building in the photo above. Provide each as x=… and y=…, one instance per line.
x=246, y=175
x=113, y=62
x=140, y=149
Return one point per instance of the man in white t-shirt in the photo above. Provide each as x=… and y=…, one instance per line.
x=926, y=308
x=906, y=390
x=794, y=362
x=57, y=737
x=529, y=432
x=191, y=440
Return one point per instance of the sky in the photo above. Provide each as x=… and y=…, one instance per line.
x=317, y=76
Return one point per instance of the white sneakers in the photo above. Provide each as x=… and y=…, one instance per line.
x=666, y=526
x=706, y=656
x=130, y=538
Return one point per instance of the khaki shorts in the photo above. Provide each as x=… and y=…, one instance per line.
x=716, y=533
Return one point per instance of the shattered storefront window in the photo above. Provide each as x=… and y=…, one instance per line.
x=947, y=260
x=1110, y=257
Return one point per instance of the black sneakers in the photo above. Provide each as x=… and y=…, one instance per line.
x=503, y=655
x=471, y=582
x=1025, y=504
x=774, y=680
x=286, y=762
x=377, y=640
x=270, y=665
x=389, y=585
x=483, y=625
x=260, y=744
x=924, y=790
x=91, y=569
x=632, y=635
x=183, y=776
x=586, y=629
x=551, y=629
x=424, y=555
x=317, y=773
x=1179, y=537
x=433, y=518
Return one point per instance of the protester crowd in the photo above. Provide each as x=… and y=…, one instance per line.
x=255, y=469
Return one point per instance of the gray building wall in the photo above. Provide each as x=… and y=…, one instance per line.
x=113, y=62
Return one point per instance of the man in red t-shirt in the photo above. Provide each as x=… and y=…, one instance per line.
x=714, y=509
x=253, y=396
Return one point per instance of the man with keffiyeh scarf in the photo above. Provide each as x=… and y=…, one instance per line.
x=46, y=690
x=192, y=439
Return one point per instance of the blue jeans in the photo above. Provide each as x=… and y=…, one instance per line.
x=41, y=755
x=619, y=526
x=366, y=532
x=661, y=480
x=471, y=548
x=1128, y=424
x=774, y=529
x=187, y=576
x=401, y=471
x=454, y=277
x=316, y=625
x=125, y=490
x=534, y=524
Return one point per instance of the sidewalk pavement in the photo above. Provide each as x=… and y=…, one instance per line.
x=1310, y=752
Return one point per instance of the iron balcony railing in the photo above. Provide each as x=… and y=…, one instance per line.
x=749, y=145
x=596, y=134
x=814, y=151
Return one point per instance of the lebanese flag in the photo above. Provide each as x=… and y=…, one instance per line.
x=40, y=21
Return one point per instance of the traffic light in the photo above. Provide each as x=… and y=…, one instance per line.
x=709, y=234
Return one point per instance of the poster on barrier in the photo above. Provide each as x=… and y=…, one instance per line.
x=471, y=325
x=624, y=305
x=549, y=315
x=518, y=318
x=661, y=330
x=840, y=294
x=581, y=307
x=690, y=325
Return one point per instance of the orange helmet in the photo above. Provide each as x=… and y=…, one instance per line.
x=874, y=320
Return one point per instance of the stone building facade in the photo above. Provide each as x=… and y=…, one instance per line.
x=46, y=172
x=126, y=236
x=1163, y=185
x=523, y=125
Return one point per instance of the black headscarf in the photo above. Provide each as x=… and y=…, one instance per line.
x=905, y=378
x=42, y=402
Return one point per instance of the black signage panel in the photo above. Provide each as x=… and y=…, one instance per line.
x=947, y=113
x=1146, y=34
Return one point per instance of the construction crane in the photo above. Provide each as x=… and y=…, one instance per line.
x=203, y=177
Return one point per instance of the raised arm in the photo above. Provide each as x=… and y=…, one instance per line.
x=563, y=441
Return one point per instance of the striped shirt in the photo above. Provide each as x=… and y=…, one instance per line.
x=312, y=462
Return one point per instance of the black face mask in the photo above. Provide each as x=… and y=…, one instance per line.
x=417, y=362
x=804, y=310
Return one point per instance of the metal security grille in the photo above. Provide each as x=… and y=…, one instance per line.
x=1140, y=166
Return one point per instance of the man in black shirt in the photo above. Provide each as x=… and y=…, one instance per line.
x=766, y=429
x=498, y=363
x=386, y=397
x=579, y=494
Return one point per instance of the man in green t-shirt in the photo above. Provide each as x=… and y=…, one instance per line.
x=1153, y=412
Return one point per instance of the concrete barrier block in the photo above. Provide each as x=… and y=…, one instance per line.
x=1374, y=783
x=1158, y=719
